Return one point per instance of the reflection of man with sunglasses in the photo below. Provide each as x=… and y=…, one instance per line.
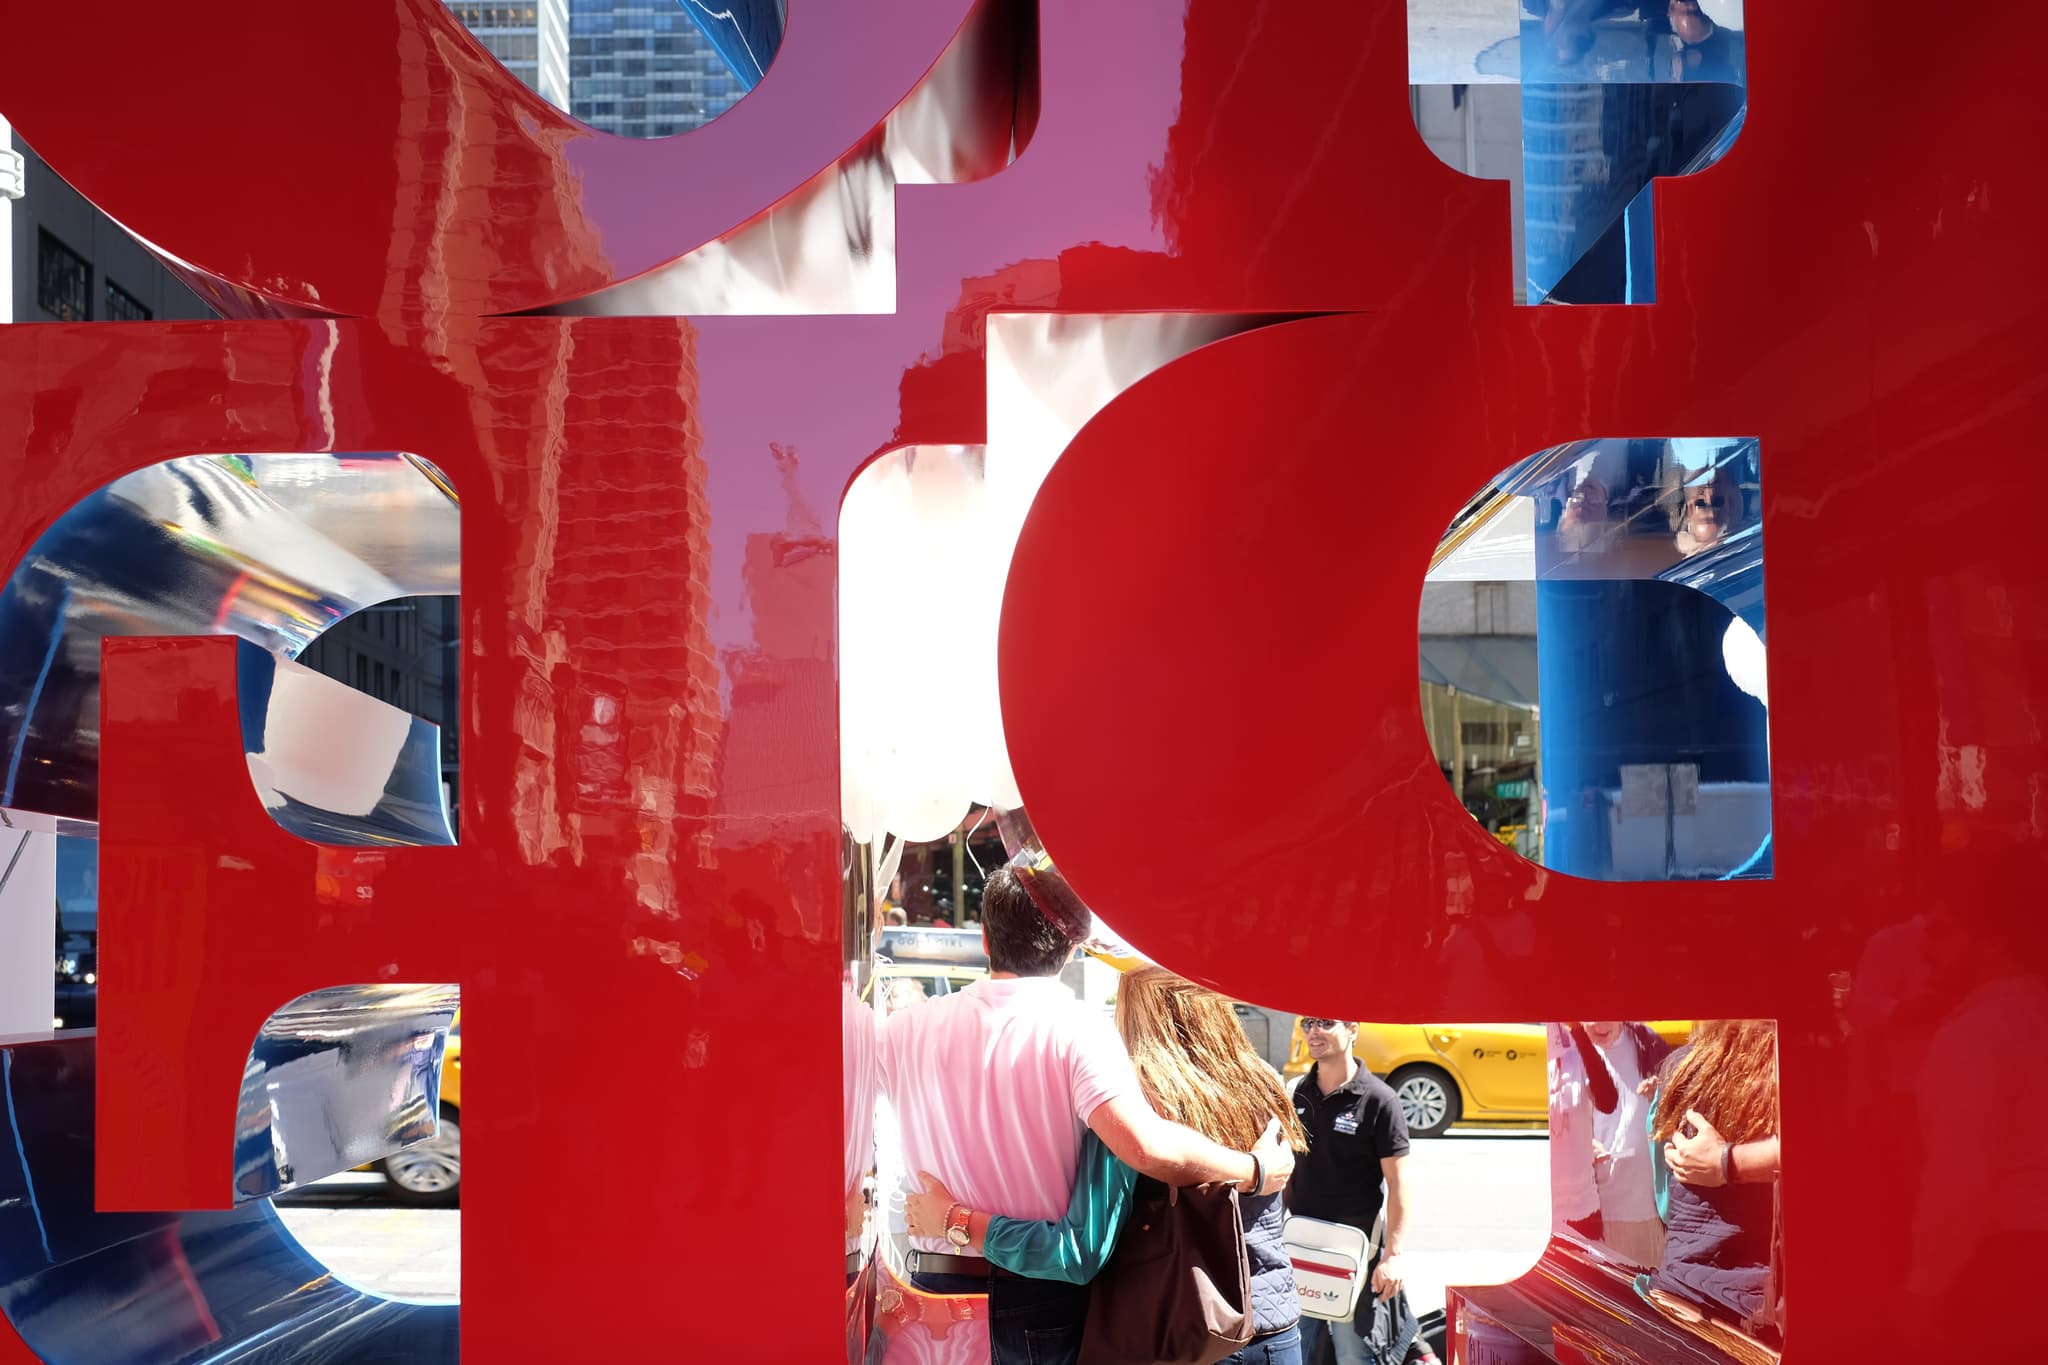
x=1708, y=513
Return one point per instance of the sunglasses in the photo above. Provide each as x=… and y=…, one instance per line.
x=1324, y=1024
x=1717, y=502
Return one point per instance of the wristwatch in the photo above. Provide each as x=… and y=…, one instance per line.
x=956, y=1225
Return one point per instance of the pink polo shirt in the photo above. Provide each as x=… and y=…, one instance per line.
x=993, y=1086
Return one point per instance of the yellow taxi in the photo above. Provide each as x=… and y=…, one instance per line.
x=916, y=962
x=903, y=984
x=429, y=1174
x=1461, y=1073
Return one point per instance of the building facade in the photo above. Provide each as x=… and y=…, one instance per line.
x=65, y=261
x=531, y=38
x=638, y=68
x=642, y=68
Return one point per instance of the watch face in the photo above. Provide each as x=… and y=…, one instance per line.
x=957, y=1236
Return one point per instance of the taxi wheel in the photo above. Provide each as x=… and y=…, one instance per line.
x=1429, y=1099
x=429, y=1174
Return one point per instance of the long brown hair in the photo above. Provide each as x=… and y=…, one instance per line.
x=1729, y=1074
x=1194, y=1063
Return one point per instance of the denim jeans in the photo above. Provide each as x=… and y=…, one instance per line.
x=1030, y=1322
x=1274, y=1348
x=1350, y=1347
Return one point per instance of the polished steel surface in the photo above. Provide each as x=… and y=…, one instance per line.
x=339, y=1078
x=273, y=549
x=335, y=766
x=91, y=1287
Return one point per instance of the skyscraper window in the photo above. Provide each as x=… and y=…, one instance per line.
x=596, y=58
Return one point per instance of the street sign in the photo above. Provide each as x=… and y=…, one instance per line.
x=1509, y=791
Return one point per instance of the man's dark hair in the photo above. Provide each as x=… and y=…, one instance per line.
x=1020, y=937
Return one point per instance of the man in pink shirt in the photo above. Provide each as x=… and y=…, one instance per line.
x=993, y=1087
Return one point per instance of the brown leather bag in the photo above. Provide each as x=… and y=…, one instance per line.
x=1177, y=1289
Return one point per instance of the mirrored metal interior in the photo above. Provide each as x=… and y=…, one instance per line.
x=272, y=549
x=222, y=1286
x=1592, y=660
x=337, y=1079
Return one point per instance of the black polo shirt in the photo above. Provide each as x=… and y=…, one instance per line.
x=1350, y=1130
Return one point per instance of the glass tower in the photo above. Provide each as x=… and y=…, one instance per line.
x=531, y=37
x=643, y=68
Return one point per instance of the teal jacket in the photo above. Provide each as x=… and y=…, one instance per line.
x=1077, y=1247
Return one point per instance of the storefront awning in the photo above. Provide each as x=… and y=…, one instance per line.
x=1499, y=668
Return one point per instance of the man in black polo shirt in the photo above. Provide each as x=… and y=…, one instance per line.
x=1356, y=1139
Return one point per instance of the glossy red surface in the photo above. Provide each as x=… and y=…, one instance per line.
x=426, y=181
x=1236, y=547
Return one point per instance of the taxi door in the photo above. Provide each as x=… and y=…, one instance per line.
x=1501, y=1067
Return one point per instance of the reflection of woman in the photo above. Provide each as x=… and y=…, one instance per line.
x=1621, y=1148
x=1196, y=1067
x=1716, y=1125
x=1574, y=1194
x=857, y=1033
x=1705, y=511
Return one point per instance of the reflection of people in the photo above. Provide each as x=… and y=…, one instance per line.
x=894, y=915
x=1977, y=1205
x=1195, y=1065
x=1706, y=510
x=1583, y=525
x=994, y=1087
x=1622, y=1167
x=1705, y=51
x=1689, y=23
x=1716, y=1126
x=1568, y=24
x=1357, y=1139
x=1574, y=1189
x=900, y=993
x=857, y=1034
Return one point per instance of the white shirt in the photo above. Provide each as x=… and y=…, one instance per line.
x=1627, y=1191
x=1573, y=1195
x=992, y=1088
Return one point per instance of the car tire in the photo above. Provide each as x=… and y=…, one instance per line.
x=1429, y=1100
x=428, y=1175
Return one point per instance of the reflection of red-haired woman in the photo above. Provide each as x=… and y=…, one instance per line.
x=1716, y=1128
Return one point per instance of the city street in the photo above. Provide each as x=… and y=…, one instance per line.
x=1479, y=1218
x=350, y=1225
x=1448, y=38
x=1481, y=1210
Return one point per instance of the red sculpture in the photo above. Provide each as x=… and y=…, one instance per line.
x=1214, y=609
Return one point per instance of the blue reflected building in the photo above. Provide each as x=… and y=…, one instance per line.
x=638, y=68
x=645, y=68
x=1606, y=108
x=530, y=37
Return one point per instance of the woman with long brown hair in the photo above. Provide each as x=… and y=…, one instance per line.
x=1716, y=1131
x=1196, y=1067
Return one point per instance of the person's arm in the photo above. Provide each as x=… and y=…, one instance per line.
x=1073, y=1249
x=1076, y=1248
x=1706, y=1159
x=1175, y=1154
x=1599, y=1080
x=1755, y=1163
x=1388, y=1275
x=1380, y=1115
